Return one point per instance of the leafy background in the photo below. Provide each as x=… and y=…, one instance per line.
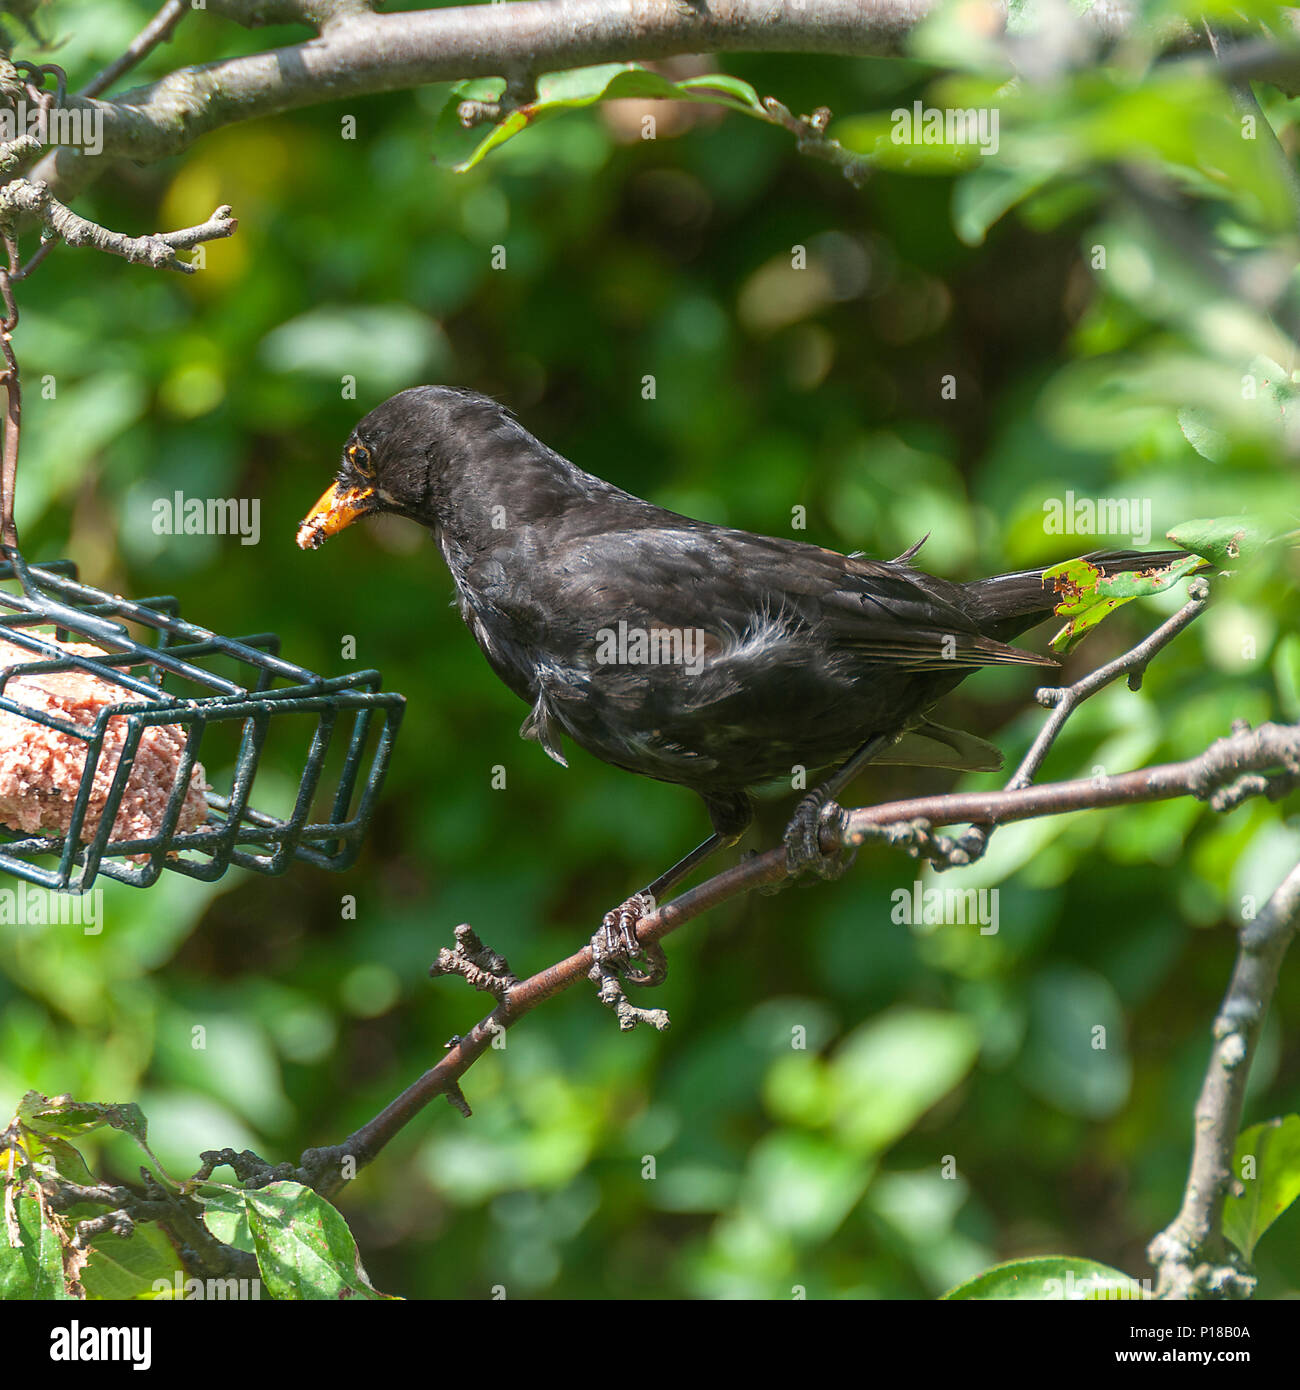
x=775, y=389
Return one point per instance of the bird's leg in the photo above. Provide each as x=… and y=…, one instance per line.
x=616, y=943
x=803, y=835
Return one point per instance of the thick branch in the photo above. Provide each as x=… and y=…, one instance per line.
x=318, y=13
x=1133, y=664
x=359, y=53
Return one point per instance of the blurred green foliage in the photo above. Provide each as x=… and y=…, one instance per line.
x=358, y=257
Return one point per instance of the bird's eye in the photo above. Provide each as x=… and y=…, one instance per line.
x=359, y=458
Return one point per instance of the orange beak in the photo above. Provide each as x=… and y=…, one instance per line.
x=338, y=508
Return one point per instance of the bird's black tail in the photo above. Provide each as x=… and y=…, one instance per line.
x=1011, y=603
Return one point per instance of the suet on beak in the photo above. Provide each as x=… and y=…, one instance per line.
x=338, y=508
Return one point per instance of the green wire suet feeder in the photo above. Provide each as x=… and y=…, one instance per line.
x=169, y=680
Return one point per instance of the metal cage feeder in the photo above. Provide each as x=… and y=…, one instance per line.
x=350, y=719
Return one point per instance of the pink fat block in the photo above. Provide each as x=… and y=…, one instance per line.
x=41, y=768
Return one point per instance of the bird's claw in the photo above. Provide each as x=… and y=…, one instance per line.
x=802, y=838
x=619, y=925
x=616, y=945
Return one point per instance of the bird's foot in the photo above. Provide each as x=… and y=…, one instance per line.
x=802, y=837
x=613, y=949
x=617, y=946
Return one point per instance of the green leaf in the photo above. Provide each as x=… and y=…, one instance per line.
x=56, y=1158
x=1225, y=540
x=225, y=1214
x=1275, y=399
x=48, y=1123
x=1286, y=672
x=1210, y=443
x=65, y=1118
x=879, y=137
x=1048, y=1278
x=570, y=91
x=1089, y=595
x=303, y=1245
x=987, y=193
x=145, y=1266
x=890, y=1071
x=1278, y=386
x=804, y=1184
x=34, y=1268
x=1273, y=1150
x=742, y=95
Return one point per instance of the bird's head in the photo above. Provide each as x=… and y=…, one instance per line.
x=397, y=456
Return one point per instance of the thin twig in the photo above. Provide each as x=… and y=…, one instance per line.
x=158, y=30
x=13, y=398
x=28, y=197
x=811, y=139
x=1064, y=700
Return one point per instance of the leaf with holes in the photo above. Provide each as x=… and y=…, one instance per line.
x=1088, y=595
x=1225, y=541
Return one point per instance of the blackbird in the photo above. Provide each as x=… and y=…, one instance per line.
x=687, y=652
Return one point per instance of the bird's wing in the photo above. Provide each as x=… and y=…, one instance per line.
x=737, y=588
x=887, y=612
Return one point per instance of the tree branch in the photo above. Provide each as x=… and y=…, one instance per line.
x=1228, y=770
x=1224, y=775
x=158, y=250
x=252, y=14
x=1192, y=1256
x=359, y=53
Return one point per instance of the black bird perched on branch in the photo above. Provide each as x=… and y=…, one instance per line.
x=691, y=653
